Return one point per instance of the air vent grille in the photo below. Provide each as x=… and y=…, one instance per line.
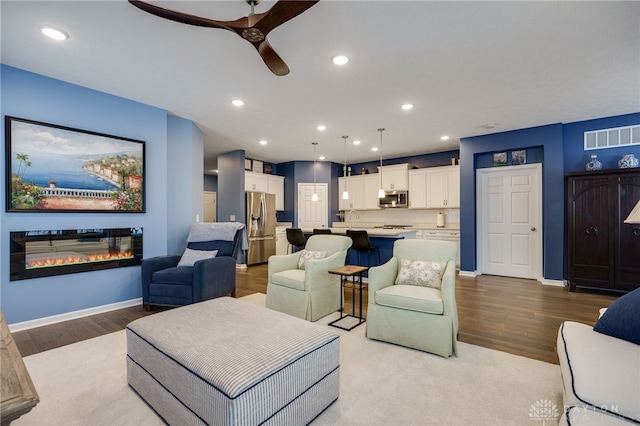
x=612, y=138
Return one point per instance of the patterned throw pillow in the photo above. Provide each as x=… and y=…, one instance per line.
x=421, y=272
x=189, y=257
x=308, y=256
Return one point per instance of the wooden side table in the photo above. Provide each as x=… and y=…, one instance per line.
x=355, y=272
x=18, y=395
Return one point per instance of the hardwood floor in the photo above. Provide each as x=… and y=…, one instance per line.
x=507, y=314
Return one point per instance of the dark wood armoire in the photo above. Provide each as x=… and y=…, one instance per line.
x=604, y=252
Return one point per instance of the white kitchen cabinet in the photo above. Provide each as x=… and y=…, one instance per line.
x=347, y=183
x=281, y=240
x=370, y=192
x=418, y=189
x=363, y=192
x=256, y=182
x=275, y=185
x=271, y=184
x=395, y=177
x=443, y=187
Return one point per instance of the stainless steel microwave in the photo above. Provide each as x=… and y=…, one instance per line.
x=394, y=199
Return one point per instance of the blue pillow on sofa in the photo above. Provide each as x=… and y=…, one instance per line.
x=622, y=318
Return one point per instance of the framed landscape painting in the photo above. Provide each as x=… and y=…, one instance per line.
x=60, y=169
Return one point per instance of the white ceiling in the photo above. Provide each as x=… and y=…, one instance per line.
x=462, y=64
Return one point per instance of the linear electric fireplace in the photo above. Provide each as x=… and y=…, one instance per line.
x=36, y=254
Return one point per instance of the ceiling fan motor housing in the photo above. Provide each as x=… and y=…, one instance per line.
x=252, y=34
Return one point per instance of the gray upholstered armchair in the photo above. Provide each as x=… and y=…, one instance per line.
x=309, y=293
x=199, y=274
x=411, y=311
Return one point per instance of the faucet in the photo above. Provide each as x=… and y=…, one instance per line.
x=350, y=222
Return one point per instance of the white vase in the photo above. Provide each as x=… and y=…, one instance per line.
x=594, y=164
x=628, y=161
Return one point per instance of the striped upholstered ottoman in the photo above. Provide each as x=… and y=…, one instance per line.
x=229, y=362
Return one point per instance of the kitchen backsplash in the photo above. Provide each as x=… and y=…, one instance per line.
x=401, y=216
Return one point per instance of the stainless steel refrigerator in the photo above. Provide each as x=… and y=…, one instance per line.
x=261, y=226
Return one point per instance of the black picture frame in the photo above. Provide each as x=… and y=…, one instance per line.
x=51, y=168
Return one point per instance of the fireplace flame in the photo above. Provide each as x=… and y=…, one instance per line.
x=53, y=260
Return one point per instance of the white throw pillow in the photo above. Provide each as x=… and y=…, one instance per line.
x=309, y=256
x=189, y=257
x=423, y=273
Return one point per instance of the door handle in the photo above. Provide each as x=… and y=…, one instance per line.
x=533, y=228
x=591, y=230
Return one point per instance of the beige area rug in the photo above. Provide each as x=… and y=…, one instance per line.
x=380, y=384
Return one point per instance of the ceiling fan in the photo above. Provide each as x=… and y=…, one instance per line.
x=253, y=28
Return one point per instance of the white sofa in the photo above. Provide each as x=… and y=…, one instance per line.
x=600, y=375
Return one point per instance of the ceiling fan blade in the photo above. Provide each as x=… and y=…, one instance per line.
x=271, y=59
x=252, y=28
x=183, y=18
x=279, y=13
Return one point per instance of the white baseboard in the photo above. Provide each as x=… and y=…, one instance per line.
x=555, y=283
x=26, y=325
x=471, y=274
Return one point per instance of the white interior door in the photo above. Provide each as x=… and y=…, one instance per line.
x=210, y=207
x=509, y=221
x=312, y=214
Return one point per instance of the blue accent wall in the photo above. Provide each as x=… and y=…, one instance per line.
x=231, y=198
x=575, y=157
x=184, y=185
x=36, y=97
x=211, y=183
x=288, y=171
x=550, y=139
x=560, y=149
x=296, y=172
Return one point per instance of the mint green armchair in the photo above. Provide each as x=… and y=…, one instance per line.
x=310, y=293
x=418, y=317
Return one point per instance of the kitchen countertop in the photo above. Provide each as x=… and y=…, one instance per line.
x=454, y=227
x=432, y=227
x=373, y=232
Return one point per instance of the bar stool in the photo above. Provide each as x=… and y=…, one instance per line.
x=321, y=231
x=296, y=239
x=361, y=243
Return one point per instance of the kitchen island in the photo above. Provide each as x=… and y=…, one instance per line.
x=380, y=237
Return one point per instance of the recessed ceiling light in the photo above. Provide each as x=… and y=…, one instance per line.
x=263, y=142
x=444, y=138
x=407, y=107
x=237, y=102
x=54, y=33
x=322, y=157
x=374, y=149
x=340, y=59
x=356, y=142
x=321, y=127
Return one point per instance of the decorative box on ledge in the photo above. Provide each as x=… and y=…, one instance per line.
x=36, y=254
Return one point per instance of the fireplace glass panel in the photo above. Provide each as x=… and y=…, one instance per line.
x=36, y=254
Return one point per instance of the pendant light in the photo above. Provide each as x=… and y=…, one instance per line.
x=381, y=190
x=345, y=194
x=314, y=197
